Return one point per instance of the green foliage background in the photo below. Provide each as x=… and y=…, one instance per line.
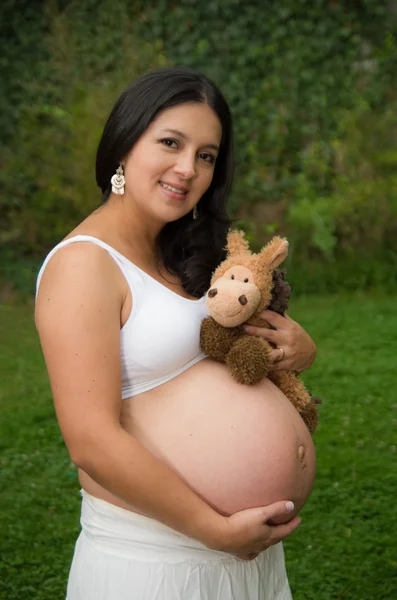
x=311, y=87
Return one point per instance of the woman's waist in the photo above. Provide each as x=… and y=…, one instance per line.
x=116, y=530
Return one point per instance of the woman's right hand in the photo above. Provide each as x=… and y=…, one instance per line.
x=249, y=532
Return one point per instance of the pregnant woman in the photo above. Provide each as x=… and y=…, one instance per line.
x=190, y=481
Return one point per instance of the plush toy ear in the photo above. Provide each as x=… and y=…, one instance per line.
x=236, y=244
x=273, y=254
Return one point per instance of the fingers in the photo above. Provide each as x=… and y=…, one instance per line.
x=271, y=335
x=278, y=509
x=280, y=532
x=278, y=339
x=251, y=531
x=275, y=319
x=278, y=364
x=276, y=532
x=281, y=335
x=290, y=348
x=277, y=355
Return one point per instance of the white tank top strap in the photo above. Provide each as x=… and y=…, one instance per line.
x=126, y=266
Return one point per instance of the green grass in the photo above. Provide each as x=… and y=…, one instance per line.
x=346, y=545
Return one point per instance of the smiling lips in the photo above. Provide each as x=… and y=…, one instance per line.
x=174, y=189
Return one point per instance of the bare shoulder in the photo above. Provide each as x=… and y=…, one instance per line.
x=80, y=263
x=80, y=285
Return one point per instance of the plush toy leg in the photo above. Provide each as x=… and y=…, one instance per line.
x=248, y=359
x=216, y=340
x=310, y=416
x=296, y=392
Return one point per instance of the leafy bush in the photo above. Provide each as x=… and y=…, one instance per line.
x=48, y=184
x=352, y=228
x=312, y=89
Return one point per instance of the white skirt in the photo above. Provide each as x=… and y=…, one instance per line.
x=121, y=555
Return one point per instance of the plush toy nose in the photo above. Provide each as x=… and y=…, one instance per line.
x=212, y=293
x=243, y=300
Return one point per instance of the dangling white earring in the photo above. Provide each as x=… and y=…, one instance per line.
x=118, y=181
x=195, y=212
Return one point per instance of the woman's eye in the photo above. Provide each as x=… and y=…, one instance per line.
x=207, y=157
x=169, y=143
x=232, y=277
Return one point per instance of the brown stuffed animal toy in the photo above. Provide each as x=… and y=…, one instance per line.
x=242, y=287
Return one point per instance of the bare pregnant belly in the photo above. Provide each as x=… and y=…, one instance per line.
x=236, y=446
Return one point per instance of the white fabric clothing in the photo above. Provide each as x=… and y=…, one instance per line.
x=148, y=361
x=121, y=555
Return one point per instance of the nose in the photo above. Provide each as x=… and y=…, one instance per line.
x=212, y=293
x=186, y=166
x=243, y=300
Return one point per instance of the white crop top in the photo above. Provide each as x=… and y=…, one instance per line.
x=161, y=337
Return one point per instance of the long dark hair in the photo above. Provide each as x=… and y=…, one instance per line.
x=189, y=248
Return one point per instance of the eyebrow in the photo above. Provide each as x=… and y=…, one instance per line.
x=185, y=137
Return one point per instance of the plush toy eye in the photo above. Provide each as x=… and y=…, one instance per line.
x=232, y=277
x=246, y=280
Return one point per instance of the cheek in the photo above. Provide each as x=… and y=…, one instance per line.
x=206, y=179
x=144, y=168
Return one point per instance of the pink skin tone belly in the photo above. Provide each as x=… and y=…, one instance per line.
x=236, y=446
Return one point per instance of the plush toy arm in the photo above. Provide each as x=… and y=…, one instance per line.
x=216, y=340
x=248, y=359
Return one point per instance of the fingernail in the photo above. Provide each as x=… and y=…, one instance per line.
x=247, y=328
x=289, y=506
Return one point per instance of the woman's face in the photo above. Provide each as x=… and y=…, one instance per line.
x=172, y=164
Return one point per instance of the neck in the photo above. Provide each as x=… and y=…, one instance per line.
x=136, y=231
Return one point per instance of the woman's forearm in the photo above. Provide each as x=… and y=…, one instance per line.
x=120, y=464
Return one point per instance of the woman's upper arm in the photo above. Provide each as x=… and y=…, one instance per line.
x=78, y=319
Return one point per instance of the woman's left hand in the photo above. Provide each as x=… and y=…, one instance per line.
x=295, y=349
